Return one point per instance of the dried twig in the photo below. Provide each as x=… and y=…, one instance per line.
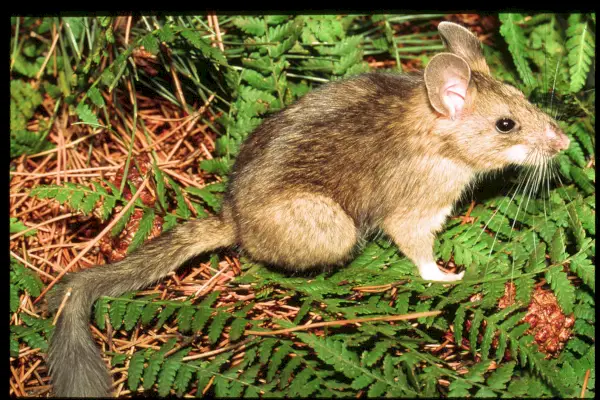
x=344, y=322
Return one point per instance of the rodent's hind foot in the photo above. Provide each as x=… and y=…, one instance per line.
x=431, y=272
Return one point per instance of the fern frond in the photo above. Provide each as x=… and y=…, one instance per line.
x=514, y=36
x=583, y=267
x=144, y=228
x=17, y=226
x=136, y=369
x=580, y=44
x=169, y=371
x=560, y=284
x=218, y=324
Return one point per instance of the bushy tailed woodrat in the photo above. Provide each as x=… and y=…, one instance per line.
x=378, y=151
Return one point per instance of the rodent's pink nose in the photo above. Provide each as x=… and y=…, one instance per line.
x=559, y=140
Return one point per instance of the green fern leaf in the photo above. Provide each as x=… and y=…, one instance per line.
x=196, y=40
x=30, y=282
x=118, y=359
x=108, y=201
x=580, y=44
x=265, y=349
x=183, y=379
x=24, y=100
x=221, y=384
x=155, y=362
x=161, y=192
x=204, y=311
x=200, y=318
x=150, y=43
x=492, y=293
x=216, y=327
x=582, y=180
x=132, y=315
x=258, y=80
x=576, y=226
x=524, y=289
x=302, y=386
x=336, y=354
x=36, y=341
x=117, y=310
x=149, y=312
x=486, y=341
x=17, y=226
x=276, y=360
x=581, y=327
x=286, y=373
x=170, y=221
x=585, y=138
x=78, y=197
x=501, y=376
x=369, y=358
x=575, y=152
x=95, y=96
x=584, y=268
x=237, y=329
x=100, y=310
x=166, y=376
x=207, y=194
x=513, y=33
x=560, y=284
x=14, y=299
x=578, y=346
x=246, y=380
x=220, y=166
x=135, y=370
x=304, y=308
x=251, y=25
x=474, y=330
x=183, y=210
x=485, y=392
x=165, y=314
x=477, y=371
x=377, y=389
x=208, y=370
x=558, y=247
x=26, y=142
x=14, y=346
x=459, y=388
x=86, y=115
x=184, y=318
x=502, y=345
x=459, y=322
x=144, y=228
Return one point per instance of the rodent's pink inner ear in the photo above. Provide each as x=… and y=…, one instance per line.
x=454, y=92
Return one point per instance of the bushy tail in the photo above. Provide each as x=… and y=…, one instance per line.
x=76, y=367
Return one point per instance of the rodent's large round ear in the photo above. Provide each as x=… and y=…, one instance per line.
x=447, y=79
x=460, y=41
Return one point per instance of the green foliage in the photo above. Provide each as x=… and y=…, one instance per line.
x=515, y=37
x=101, y=202
x=17, y=226
x=22, y=279
x=272, y=63
x=545, y=231
x=32, y=332
x=24, y=100
x=580, y=44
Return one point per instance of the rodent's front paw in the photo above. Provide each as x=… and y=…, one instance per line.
x=431, y=272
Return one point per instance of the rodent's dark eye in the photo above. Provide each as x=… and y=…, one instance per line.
x=505, y=125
